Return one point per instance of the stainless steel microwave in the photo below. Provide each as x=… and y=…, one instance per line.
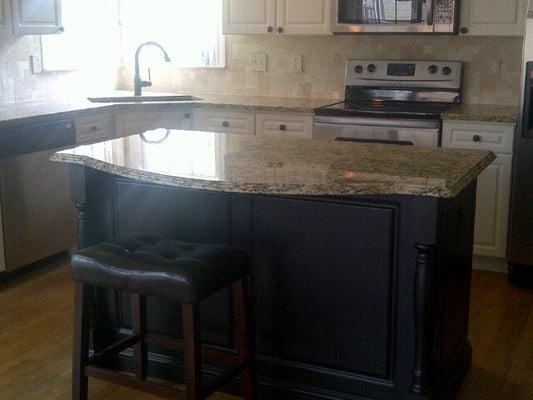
x=395, y=16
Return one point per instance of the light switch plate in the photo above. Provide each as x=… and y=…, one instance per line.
x=36, y=64
x=297, y=63
x=259, y=62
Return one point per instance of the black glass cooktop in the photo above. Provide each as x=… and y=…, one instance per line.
x=386, y=109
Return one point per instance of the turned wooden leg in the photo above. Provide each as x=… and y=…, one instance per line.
x=244, y=336
x=192, y=351
x=140, y=352
x=82, y=295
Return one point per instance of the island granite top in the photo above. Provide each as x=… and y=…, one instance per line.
x=282, y=165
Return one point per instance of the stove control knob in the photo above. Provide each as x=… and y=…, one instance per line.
x=446, y=70
x=371, y=68
x=432, y=69
x=358, y=69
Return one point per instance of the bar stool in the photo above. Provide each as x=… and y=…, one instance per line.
x=183, y=272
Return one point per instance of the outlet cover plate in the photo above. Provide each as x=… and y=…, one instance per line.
x=36, y=64
x=259, y=62
x=297, y=64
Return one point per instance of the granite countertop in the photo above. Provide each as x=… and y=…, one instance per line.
x=483, y=112
x=282, y=165
x=43, y=110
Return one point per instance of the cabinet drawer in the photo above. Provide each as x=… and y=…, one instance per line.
x=224, y=121
x=479, y=136
x=134, y=123
x=94, y=128
x=297, y=125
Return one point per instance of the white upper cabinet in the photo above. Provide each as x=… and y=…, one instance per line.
x=249, y=16
x=493, y=17
x=297, y=17
x=303, y=16
x=5, y=17
x=36, y=17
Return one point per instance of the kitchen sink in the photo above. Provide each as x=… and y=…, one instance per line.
x=144, y=99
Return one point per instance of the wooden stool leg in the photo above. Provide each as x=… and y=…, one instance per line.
x=140, y=352
x=192, y=351
x=82, y=296
x=244, y=336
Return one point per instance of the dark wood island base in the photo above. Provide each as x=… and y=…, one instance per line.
x=362, y=297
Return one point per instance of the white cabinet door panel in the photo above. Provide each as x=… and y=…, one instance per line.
x=274, y=124
x=304, y=16
x=493, y=17
x=133, y=123
x=5, y=17
x=224, y=121
x=492, y=209
x=496, y=137
x=36, y=17
x=249, y=16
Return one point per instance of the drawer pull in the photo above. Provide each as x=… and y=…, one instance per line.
x=225, y=124
x=476, y=138
x=282, y=128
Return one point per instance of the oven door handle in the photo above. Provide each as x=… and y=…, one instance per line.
x=377, y=122
x=375, y=141
x=431, y=11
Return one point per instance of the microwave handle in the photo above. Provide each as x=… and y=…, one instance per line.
x=431, y=11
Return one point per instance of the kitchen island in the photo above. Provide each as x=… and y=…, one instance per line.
x=361, y=253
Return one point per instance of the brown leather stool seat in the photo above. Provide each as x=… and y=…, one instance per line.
x=183, y=272
x=156, y=266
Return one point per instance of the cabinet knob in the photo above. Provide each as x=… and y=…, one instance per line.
x=270, y=29
x=282, y=128
x=476, y=138
x=61, y=29
x=280, y=30
x=94, y=128
x=464, y=30
x=225, y=124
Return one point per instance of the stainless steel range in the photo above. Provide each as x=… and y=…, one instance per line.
x=398, y=102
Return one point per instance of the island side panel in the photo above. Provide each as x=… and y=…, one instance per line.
x=268, y=225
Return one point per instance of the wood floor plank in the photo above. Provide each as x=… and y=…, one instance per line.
x=35, y=350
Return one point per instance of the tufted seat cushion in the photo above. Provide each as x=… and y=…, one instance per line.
x=155, y=266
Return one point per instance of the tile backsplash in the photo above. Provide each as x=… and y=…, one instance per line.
x=18, y=83
x=492, y=65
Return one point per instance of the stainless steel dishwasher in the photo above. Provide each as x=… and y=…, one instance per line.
x=38, y=217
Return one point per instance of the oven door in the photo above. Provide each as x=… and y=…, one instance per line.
x=400, y=16
x=378, y=130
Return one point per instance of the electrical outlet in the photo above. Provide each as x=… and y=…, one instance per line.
x=36, y=64
x=495, y=66
x=297, y=64
x=259, y=62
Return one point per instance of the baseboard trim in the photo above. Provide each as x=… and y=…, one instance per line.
x=8, y=276
x=490, y=264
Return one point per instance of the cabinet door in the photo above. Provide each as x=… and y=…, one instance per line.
x=493, y=17
x=36, y=17
x=492, y=210
x=133, y=123
x=303, y=16
x=5, y=17
x=249, y=16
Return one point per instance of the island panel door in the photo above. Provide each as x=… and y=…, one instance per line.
x=324, y=284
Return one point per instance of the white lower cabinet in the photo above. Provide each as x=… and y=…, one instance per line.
x=224, y=121
x=95, y=128
x=133, y=123
x=494, y=184
x=282, y=124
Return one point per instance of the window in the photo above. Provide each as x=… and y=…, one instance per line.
x=190, y=30
x=90, y=39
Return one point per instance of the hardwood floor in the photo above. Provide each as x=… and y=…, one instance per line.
x=36, y=341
